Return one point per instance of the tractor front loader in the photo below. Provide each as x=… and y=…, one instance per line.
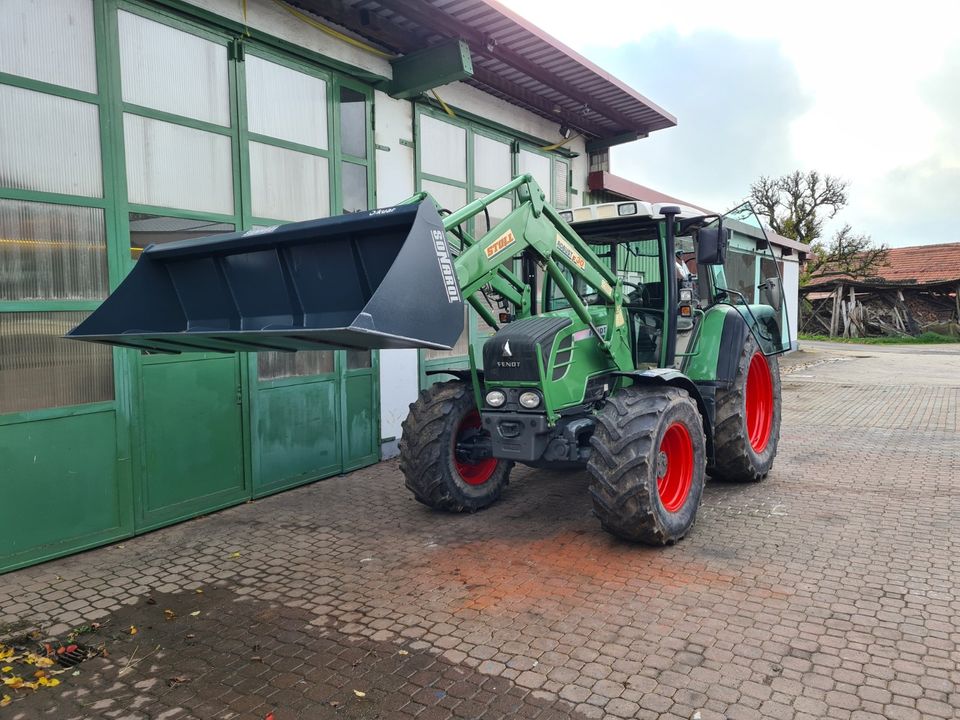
x=607, y=353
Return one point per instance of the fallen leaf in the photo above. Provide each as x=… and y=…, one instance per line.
x=133, y=630
x=48, y=682
x=40, y=673
x=359, y=693
x=71, y=648
x=199, y=591
x=14, y=682
x=6, y=669
x=190, y=636
x=178, y=680
x=195, y=613
x=256, y=658
x=403, y=652
x=235, y=555
x=169, y=614
x=268, y=716
x=5, y=700
x=75, y=673
x=43, y=662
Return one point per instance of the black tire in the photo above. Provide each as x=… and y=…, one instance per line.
x=736, y=459
x=427, y=452
x=628, y=458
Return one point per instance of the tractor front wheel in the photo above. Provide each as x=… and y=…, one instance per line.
x=647, y=464
x=748, y=418
x=435, y=471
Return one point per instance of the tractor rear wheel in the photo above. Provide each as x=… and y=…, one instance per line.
x=438, y=476
x=647, y=464
x=748, y=418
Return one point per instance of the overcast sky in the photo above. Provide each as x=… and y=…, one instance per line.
x=866, y=91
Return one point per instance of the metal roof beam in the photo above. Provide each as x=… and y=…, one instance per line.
x=539, y=104
x=430, y=17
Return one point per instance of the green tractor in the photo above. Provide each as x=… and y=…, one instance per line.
x=607, y=353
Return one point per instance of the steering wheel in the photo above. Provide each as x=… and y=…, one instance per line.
x=642, y=296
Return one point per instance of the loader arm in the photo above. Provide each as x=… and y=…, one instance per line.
x=537, y=226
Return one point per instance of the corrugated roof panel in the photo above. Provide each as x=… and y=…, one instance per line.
x=526, y=66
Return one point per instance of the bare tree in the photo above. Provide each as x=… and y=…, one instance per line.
x=846, y=254
x=796, y=205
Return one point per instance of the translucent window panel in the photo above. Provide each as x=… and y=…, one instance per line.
x=538, y=166
x=175, y=166
x=740, y=270
x=443, y=149
x=353, y=122
x=491, y=162
x=276, y=365
x=51, y=252
x=497, y=211
x=358, y=359
x=49, y=143
x=354, y=184
x=39, y=369
x=286, y=104
x=147, y=230
x=288, y=185
x=171, y=70
x=561, y=184
x=450, y=197
x=49, y=41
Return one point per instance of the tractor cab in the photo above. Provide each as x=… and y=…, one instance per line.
x=631, y=238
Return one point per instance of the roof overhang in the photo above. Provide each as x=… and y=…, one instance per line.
x=511, y=58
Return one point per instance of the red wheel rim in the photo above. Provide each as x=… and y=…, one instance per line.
x=759, y=402
x=675, y=467
x=472, y=473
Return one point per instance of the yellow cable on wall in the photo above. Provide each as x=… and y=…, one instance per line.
x=446, y=108
x=331, y=32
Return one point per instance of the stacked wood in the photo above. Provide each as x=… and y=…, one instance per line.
x=847, y=310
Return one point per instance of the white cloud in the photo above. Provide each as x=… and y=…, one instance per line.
x=864, y=68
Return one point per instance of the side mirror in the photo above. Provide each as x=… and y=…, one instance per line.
x=711, y=245
x=772, y=289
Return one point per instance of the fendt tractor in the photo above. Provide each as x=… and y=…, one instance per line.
x=607, y=353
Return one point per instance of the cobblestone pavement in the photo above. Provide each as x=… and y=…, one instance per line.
x=827, y=591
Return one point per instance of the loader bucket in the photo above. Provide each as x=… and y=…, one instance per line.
x=378, y=279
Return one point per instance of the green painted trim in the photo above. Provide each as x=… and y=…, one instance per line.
x=288, y=145
x=295, y=379
x=179, y=213
x=174, y=119
x=433, y=66
x=39, y=305
x=184, y=9
x=446, y=181
x=435, y=107
x=54, y=413
x=53, y=198
x=49, y=88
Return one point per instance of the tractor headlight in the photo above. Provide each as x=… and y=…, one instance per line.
x=686, y=295
x=530, y=400
x=496, y=398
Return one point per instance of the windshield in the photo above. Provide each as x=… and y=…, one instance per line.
x=751, y=279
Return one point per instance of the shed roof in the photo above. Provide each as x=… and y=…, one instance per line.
x=915, y=265
x=512, y=58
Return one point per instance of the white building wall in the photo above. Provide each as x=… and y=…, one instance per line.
x=399, y=372
x=791, y=292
